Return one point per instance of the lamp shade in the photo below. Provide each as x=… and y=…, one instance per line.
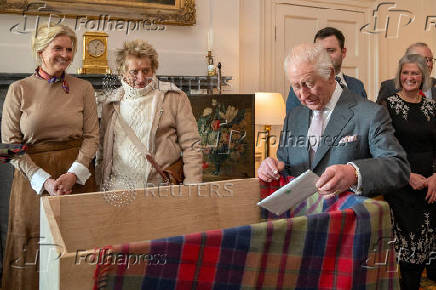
x=270, y=109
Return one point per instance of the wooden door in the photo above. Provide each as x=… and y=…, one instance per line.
x=295, y=24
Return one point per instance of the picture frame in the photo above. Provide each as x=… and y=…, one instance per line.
x=164, y=12
x=227, y=133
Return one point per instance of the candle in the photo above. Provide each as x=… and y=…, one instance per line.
x=210, y=40
x=210, y=32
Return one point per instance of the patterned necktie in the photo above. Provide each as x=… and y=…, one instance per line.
x=339, y=80
x=315, y=131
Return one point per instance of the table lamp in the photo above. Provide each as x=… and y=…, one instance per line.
x=269, y=110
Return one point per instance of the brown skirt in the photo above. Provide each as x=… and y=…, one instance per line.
x=21, y=264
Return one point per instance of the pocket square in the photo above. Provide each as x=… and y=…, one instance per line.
x=348, y=139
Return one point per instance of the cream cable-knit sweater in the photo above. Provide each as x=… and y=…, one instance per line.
x=130, y=166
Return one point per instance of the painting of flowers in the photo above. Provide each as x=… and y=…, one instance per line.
x=226, y=128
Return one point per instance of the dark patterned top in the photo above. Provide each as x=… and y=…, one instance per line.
x=415, y=126
x=413, y=217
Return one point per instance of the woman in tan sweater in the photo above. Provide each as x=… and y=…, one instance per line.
x=55, y=115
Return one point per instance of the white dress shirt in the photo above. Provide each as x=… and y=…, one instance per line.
x=328, y=109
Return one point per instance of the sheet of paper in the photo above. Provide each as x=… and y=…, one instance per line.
x=291, y=194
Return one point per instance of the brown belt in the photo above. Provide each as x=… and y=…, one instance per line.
x=53, y=146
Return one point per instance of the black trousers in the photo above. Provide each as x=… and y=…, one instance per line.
x=431, y=269
x=411, y=274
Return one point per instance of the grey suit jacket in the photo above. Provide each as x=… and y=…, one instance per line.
x=381, y=160
x=387, y=89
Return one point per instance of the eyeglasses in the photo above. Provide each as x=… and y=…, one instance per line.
x=430, y=59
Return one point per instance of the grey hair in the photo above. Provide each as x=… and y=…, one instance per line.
x=312, y=53
x=137, y=48
x=411, y=48
x=420, y=61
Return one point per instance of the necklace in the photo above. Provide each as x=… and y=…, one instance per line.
x=414, y=99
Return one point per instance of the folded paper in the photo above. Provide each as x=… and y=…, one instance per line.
x=291, y=194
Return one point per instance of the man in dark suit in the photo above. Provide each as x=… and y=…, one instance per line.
x=333, y=41
x=387, y=88
x=339, y=135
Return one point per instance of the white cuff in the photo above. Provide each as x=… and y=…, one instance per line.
x=38, y=179
x=82, y=173
x=357, y=188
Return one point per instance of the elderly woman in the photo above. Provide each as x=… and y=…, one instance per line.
x=55, y=115
x=157, y=114
x=413, y=207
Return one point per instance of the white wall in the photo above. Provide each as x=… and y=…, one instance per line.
x=181, y=49
x=393, y=47
x=250, y=44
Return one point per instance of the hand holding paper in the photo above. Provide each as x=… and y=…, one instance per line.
x=291, y=194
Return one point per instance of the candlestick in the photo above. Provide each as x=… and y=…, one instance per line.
x=211, y=71
x=210, y=40
x=210, y=32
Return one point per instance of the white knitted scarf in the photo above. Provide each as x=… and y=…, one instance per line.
x=137, y=107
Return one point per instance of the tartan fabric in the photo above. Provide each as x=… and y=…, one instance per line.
x=8, y=151
x=336, y=243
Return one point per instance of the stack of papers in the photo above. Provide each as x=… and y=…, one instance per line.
x=291, y=194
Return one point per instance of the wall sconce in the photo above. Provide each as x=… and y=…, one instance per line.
x=269, y=110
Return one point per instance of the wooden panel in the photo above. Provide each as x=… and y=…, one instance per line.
x=294, y=25
x=356, y=61
x=51, y=246
x=89, y=221
x=76, y=274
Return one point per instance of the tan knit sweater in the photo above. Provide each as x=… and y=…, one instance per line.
x=36, y=111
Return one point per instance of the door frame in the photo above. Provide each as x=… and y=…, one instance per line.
x=268, y=77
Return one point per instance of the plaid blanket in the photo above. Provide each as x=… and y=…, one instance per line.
x=336, y=243
x=8, y=151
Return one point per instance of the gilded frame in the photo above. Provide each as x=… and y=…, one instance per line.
x=166, y=12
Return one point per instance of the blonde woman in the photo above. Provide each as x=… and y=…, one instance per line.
x=55, y=115
x=158, y=114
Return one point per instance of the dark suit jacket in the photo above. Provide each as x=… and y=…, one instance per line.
x=387, y=89
x=381, y=160
x=353, y=84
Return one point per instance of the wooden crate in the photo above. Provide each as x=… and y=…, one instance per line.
x=87, y=221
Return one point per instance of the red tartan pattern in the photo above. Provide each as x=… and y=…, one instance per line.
x=329, y=244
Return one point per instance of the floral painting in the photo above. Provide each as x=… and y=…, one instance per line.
x=226, y=127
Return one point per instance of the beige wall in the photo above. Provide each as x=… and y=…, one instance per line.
x=257, y=29
x=181, y=49
x=242, y=31
x=243, y=38
x=392, y=48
